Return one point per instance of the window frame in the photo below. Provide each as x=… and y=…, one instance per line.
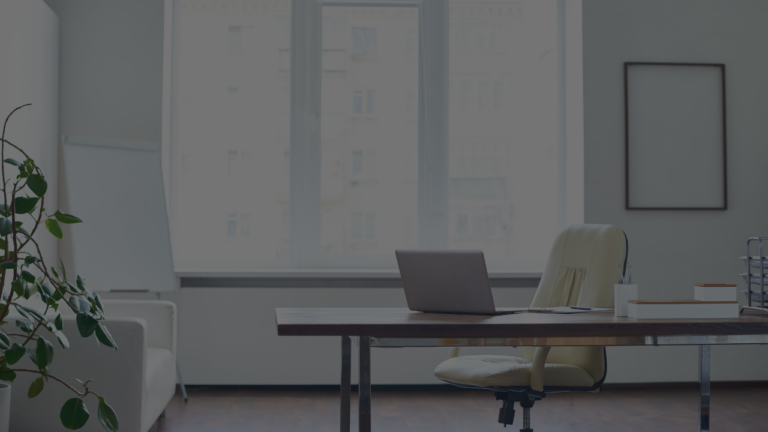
x=432, y=99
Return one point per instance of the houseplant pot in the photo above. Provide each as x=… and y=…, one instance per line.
x=5, y=406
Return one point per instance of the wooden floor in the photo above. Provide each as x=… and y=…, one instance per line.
x=227, y=409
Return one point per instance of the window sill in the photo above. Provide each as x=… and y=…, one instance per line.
x=329, y=279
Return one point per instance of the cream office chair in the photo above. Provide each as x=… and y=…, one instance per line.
x=581, y=271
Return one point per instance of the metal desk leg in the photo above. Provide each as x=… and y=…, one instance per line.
x=346, y=386
x=364, y=387
x=704, y=351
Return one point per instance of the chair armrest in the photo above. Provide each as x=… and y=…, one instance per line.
x=537, y=368
x=160, y=317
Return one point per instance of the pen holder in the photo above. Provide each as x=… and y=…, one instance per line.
x=621, y=295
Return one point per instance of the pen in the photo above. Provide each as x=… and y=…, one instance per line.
x=580, y=308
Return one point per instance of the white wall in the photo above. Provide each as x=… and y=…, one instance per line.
x=29, y=57
x=111, y=74
x=227, y=336
x=672, y=250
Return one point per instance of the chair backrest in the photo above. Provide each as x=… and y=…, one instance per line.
x=581, y=271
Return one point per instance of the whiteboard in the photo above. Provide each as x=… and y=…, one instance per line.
x=116, y=188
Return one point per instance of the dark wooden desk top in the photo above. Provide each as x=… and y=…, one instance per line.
x=403, y=323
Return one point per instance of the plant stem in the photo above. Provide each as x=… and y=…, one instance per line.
x=87, y=391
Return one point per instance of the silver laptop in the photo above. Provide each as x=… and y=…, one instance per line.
x=447, y=281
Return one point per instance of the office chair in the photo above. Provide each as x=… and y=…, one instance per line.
x=581, y=271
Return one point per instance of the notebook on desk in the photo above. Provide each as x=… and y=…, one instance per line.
x=455, y=282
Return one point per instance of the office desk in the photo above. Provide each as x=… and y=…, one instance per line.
x=404, y=328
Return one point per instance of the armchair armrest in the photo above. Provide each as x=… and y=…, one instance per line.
x=160, y=317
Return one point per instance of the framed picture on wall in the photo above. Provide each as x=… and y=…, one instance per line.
x=675, y=136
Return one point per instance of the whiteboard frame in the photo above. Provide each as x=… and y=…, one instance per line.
x=627, y=120
x=70, y=140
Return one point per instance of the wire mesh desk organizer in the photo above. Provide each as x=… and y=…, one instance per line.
x=756, y=277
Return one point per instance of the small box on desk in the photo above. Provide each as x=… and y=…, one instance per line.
x=674, y=309
x=715, y=292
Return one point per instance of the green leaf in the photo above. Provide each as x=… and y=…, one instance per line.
x=32, y=355
x=36, y=388
x=85, y=307
x=63, y=270
x=74, y=303
x=18, y=287
x=22, y=312
x=80, y=283
x=97, y=302
x=102, y=334
x=53, y=270
x=7, y=374
x=74, y=414
x=6, y=227
x=51, y=291
x=25, y=204
x=67, y=218
x=30, y=259
x=25, y=326
x=44, y=353
x=14, y=353
x=5, y=341
x=74, y=288
x=54, y=228
x=86, y=324
x=107, y=416
x=7, y=265
x=27, y=276
x=13, y=162
x=62, y=339
x=59, y=322
x=37, y=184
x=32, y=312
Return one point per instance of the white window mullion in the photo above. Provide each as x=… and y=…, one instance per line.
x=306, y=31
x=433, y=124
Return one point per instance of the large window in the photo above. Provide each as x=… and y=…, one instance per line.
x=325, y=135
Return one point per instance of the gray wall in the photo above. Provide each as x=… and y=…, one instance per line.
x=672, y=250
x=111, y=82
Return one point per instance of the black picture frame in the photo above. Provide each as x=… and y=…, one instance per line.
x=627, y=143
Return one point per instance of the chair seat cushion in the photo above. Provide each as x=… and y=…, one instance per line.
x=505, y=371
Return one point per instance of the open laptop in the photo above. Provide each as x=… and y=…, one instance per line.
x=447, y=281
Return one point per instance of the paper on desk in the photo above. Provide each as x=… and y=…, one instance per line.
x=567, y=310
x=557, y=310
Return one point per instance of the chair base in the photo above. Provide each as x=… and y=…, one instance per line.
x=526, y=400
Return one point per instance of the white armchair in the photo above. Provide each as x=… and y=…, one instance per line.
x=138, y=380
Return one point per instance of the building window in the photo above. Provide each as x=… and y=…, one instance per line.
x=363, y=101
x=364, y=42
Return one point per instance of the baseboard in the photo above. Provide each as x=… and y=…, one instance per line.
x=450, y=388
x=684, y=384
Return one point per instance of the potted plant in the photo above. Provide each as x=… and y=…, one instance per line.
x=27, y=344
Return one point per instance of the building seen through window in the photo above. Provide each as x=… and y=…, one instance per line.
x=232, y=130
